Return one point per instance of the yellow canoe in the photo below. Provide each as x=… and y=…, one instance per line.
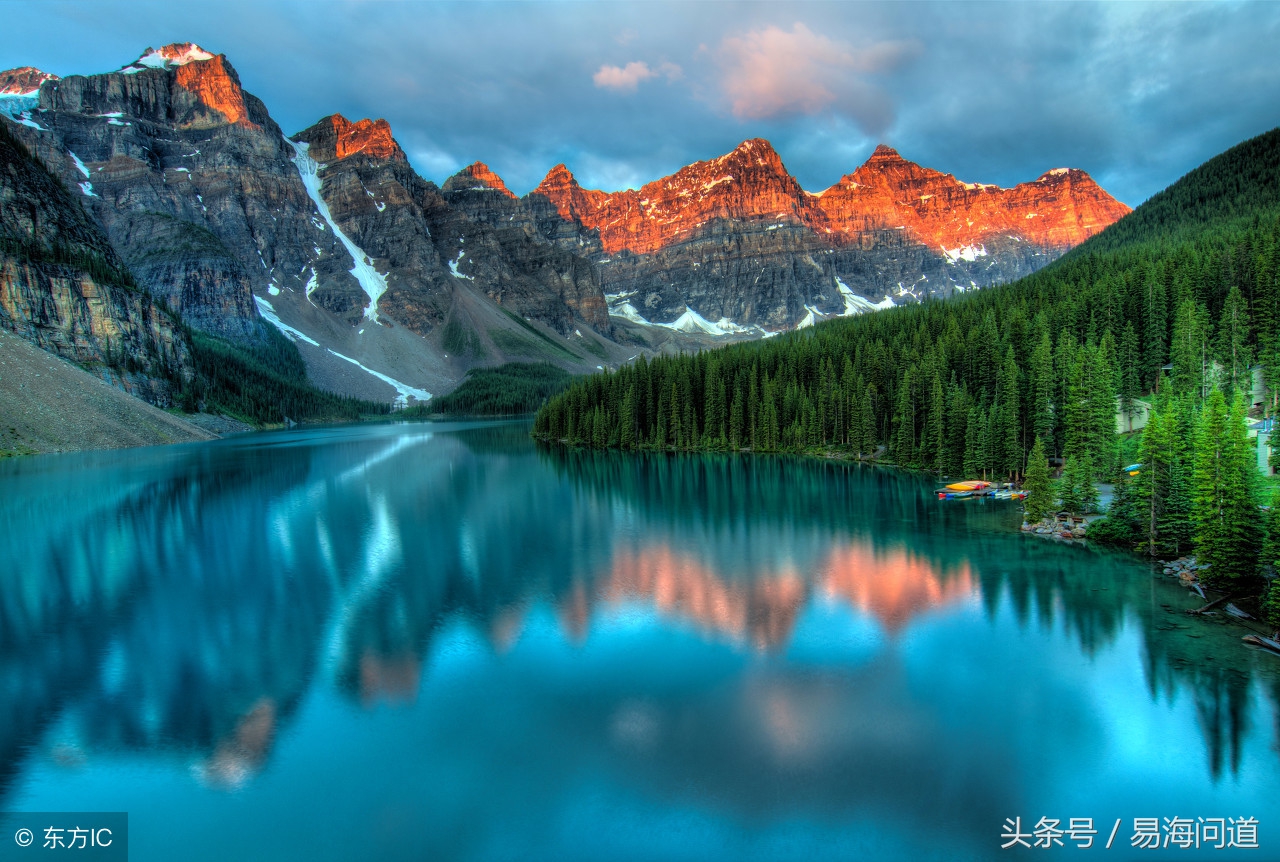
x=968, y=486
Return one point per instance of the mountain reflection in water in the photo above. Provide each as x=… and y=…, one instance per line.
x=781, y=656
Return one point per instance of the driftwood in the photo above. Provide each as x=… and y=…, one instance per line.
x=1212, y=604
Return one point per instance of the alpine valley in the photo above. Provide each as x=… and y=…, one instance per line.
x=157, y=214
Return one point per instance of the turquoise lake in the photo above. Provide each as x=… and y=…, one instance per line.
x=444, y=642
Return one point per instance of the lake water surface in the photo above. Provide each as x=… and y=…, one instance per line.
x=442, y=642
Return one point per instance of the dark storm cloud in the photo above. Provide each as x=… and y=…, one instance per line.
x=624, y=92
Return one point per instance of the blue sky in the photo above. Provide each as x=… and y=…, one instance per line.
x=1135, y=94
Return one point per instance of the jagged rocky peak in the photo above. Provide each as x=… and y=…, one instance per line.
x=559, y=176
x=570, y=199
x=181, y=85
x=335, y=138
x=477, y=175
x=23, y=81
x=169, y=57
x=755, y=152
x=885, y=153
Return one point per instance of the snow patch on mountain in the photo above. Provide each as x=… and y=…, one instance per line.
x=13, y=105
x=854, y=304
x=168, y=57
x=80, y=166
x=373, y=282
x=453, y=267
x=406, y=391
x=964, y=252
x=690, y=322
x=268, y=313
x=18, y=107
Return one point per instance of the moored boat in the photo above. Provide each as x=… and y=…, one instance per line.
x=974, y=488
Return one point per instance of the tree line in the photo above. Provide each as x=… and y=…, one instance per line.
x=1176, y=307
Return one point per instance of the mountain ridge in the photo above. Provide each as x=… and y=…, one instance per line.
x=333, y=238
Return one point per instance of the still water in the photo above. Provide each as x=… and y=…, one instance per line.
x=413, y=642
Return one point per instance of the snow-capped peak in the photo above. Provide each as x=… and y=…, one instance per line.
x=168, y=57
x=23, y=81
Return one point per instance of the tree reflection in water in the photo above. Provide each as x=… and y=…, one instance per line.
x=186, y=607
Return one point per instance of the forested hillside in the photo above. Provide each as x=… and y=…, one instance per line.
x=965, y=386
x=1175, y=303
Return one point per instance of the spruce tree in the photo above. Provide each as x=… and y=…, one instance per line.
x=1040, y=499
x=1042, y=388
x=1130, y=374
x=1077, y=489
x=1233, y=344
x=1224, y=511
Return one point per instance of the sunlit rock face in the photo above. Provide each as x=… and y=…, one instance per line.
x=192, y=181
x=429, y=248
x=1061, y=209
x=335, y=137
x=736, y=237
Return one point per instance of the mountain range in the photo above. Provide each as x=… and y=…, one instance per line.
x=392, y=287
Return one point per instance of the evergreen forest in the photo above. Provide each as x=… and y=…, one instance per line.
x=1168, y=315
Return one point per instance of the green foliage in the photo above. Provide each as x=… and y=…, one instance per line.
x=460, y=340
x=967, y=385
x=516, y=343
x=1271, y=604
x=1077, y=490
x=1123, y=522
x=1040, y=497
x=507, y=390
x=1228, y=527
x=1163, y=488
x=264, y=383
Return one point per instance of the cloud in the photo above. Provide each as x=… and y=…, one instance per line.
x=772, y=72
x=627, y=78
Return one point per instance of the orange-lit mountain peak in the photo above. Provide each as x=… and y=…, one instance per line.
x=170, y=57
x=335, y=137
x=884, y=153
x=755, y=151
x=23, y=80
x=558, y=177
x=477, y=175
x=571, y=200
x=216, y=85
x=893, y=586
x=1061, y=209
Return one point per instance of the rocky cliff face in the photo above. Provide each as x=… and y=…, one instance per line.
x=385, y=280
x=736, y=239
x=193, y=182
x=431, y=242
x=64, y=288
x=24, y=80
x=1061, y=209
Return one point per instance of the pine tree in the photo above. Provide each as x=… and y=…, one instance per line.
x=1006, y=450
x=1042, y=387
x=1040, y=499
x=1102, y=406
x=1189, y=351
x=1224, y=512
x=1077, y=489
x=1130, y=374
x=627, y=437
x=1233, y=343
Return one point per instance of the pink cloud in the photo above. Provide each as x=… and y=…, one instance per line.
x=772, y=72
x=627, y=78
